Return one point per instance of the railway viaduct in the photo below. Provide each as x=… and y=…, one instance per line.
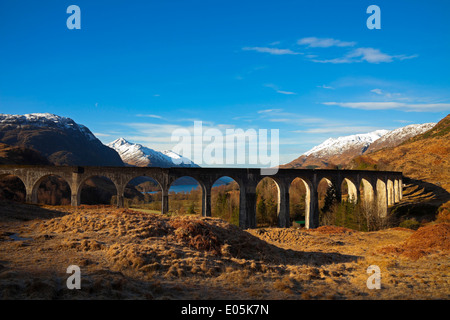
x=380, y=188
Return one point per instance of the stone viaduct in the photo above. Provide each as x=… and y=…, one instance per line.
x=382, y=188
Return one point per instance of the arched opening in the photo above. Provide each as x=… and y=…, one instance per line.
x=327, y=194
x=143, y=194
x=225, y=195
x=185, y=196
x=98, y=190
x=53, y=190
x=348, y=191
x=299, y=202
x=12, y=188
x=267, y=209
x=328, y=201
x=366, y=192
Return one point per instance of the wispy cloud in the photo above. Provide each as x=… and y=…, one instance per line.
x=314, y=42
x=339, y=130
x=377, y=91
x=270, y=110
x=361, y=54
x=370, y=55
x=408, y=107
x=274, y=51
x=325, y=87
x=285, y=92
x=98, y=134
x=154, y=116
x=274, y=87
x=389, y=95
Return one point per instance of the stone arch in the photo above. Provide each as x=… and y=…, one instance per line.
x=18, y=192
x=51, y=198
x=184, y=198
x=152, y=193
x=307, y=185
x=225, y=199
x=268, y=207
x=352, y=190
x=325, y=185
x=97, y=179
x=368, y=193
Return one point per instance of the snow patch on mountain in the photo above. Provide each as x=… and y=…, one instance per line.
x=397, y=136
x=44, y=120
x=138, y=155
x=333, y=146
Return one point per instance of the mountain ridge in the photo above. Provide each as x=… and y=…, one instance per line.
x=60, y=139
x=135, y=154
x=335, y=152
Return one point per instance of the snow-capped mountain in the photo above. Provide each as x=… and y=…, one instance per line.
x=342, y=144
x=138, y=155
x=340, y=151
x=59, y=139
x=395, y=137
x=44, y=120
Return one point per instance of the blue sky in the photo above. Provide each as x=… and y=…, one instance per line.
x=312, y=69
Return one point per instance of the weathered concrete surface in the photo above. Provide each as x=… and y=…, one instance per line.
x=381, y=187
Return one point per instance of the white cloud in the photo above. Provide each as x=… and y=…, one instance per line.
x=149, y=116
x=377, y=91
x=408, y=107
x=98, y=134
x=336, y=130
x=370, y=55
x=325, y=87
x=314, y=42
x=274, y=51
x=403, y=57
x=389, y=95
x=285, y=92
x=269, y=110
x=274, y=87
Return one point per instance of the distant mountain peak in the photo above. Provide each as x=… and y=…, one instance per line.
x=341, y=150
x=399, y=135
x=60, y=139
x=45, y=120
x=333, y=146
x=138, y=155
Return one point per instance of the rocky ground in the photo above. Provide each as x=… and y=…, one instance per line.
x=124, y=254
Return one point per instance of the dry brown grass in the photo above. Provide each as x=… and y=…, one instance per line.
x=124, y=254
x=434, y=238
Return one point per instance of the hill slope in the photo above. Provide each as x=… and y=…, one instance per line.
x=337, y=151
x=59, y=139
x=20, y=155
x=424, y=157
x=395, y=137
x=341, y=151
